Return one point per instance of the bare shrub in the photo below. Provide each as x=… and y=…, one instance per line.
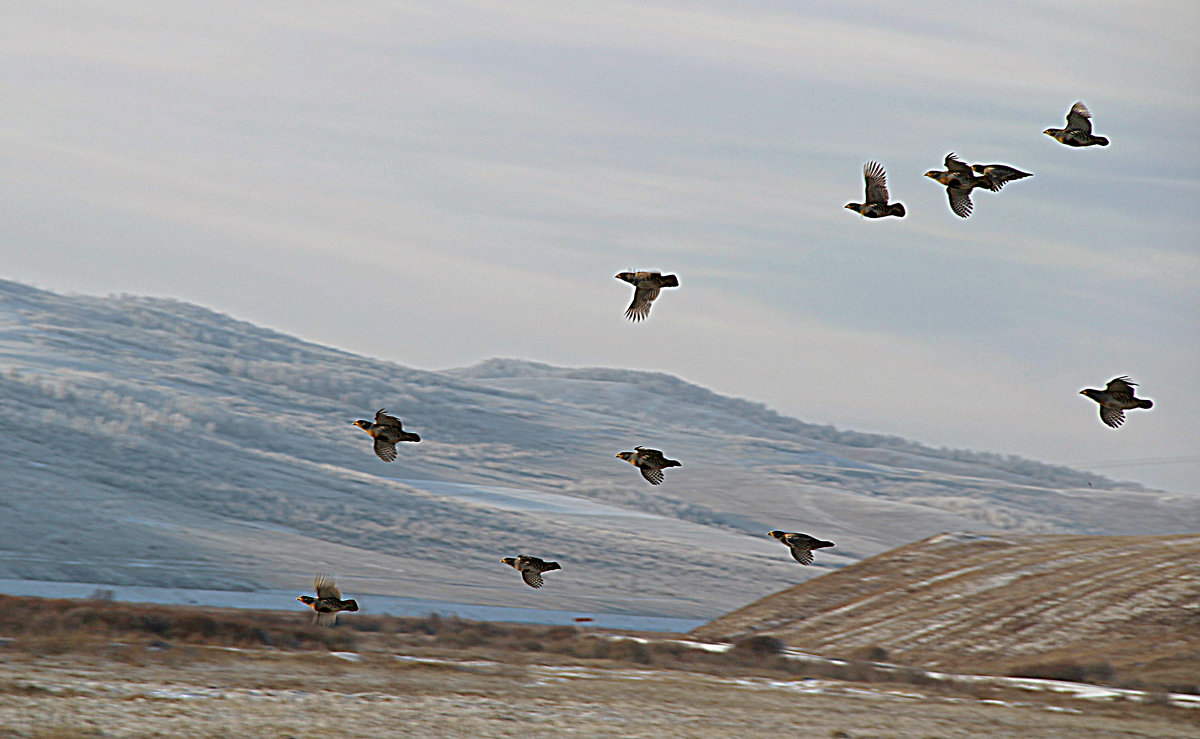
x=871, y=653
x=759, y=646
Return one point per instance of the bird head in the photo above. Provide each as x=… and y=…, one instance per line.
x=363, y=424
x=627, y=456
x=933, y=173
x=1090, y=393
x=777, y=534
x=1050, y=131
x=510, y=561
x=853, y=206
x=307, y=600
x=626, y=276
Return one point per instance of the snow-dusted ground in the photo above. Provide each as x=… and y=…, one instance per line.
x=1081, y=691
x=152, y=443
x=262, y=692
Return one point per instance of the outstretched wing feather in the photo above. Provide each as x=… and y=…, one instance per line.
x=326, y=587
x=652, y=474
x=876, y=180
x=960, y=201
x=643, y=296
x=386, y=450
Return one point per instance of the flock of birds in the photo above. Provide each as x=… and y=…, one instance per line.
x=959, y=178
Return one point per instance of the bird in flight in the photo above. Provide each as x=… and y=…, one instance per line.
x=802, y=545
x=531, y=568
x=1079, y=129
x=646, y=286
x=1000, y=174
x=876, y=205
x=1116, y=398
x=959, y=180
x=650, y=461
x=386, y=431
x=328, y=603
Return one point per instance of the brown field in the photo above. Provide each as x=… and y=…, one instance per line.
x=99, y=668
x=1117, y=610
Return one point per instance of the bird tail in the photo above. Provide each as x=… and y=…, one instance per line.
x=1100, y=140
x=349, y=605
x=673, y=281
x=822, y=544
x=1143, y=403
x=671, y=463
x=896, y=209
x=552, y=566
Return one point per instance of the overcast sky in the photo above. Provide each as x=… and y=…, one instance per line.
x=439, y=183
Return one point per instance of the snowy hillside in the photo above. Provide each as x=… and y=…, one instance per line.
x=152, y=442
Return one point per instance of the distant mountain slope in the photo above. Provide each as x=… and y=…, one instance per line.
x=998, y=602
x=152, y=442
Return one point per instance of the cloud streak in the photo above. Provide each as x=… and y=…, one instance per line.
x=440, y=184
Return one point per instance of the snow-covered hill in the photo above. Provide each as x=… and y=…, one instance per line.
x=152, y=442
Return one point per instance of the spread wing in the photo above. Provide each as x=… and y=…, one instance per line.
x=326, y=587
x=653, y=456
x=1112, y=417
x=385, y=450
x=1079, y=118
x=954, y=164
x=802, y=554
x=532, y=578
x=652, y=474
x=1001, y=174
x=960, y=201
x=877, y=191
x=1121, y=385
x=383, y=419
x=643, y=296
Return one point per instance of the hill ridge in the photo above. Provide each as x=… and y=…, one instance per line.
x=190, y=431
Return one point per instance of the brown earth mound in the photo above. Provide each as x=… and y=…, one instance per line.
x=1123, y=610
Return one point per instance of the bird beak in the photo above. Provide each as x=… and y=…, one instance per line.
x=299, y=599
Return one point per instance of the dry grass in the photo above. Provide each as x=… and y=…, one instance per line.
x=92, y=668
x=147, y=634
x=54, y=626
